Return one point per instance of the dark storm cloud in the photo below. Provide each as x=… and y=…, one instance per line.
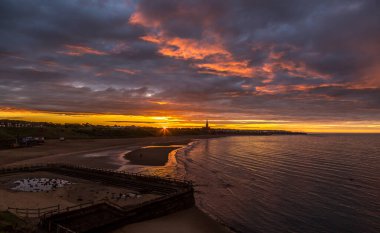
x=294, y=59
x=54, y=23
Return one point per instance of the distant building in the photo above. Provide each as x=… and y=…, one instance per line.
x=207, y=127
x=19, y=124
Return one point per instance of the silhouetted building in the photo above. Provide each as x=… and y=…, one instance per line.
x=207, y=127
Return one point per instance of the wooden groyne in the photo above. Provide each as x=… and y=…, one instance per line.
x=105, y=216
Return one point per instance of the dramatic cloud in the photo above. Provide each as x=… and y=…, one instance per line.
x=276, y=61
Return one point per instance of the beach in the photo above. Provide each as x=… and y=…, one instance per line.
x=186, y=221
x=154, y=152
x=72, y=151
x=77, y=191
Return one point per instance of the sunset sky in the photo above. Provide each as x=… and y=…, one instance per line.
x=310, y=66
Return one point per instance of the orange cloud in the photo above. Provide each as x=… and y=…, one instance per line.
x=186, y=48
x=152, y=39
x=271, y=89
x=78, y=50
x=139, y=19
x=220, y=61
x=300, y=70
x=160, y=102
x=126, y=71
x=292, y=68
x=191, y=49
x=246, y=86
x=227, y=68
x=212, y=57
x=276, y=62
x=282, y=89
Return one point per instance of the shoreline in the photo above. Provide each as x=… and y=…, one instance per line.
x=182, y=161
x=185, y=221
x=74, y=151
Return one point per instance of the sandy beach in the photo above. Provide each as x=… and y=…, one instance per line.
x=79, y=191
x=72, y=151
x=154, y=152
x=186, y=221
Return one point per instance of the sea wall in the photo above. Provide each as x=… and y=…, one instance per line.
x=106, y=216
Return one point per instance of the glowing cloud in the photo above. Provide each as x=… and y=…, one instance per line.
x=78, y=50
x=220, y=62
x=227, y=68
x=126, y=71
x=186, y=48
x=209, y=52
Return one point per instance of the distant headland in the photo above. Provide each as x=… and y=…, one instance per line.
x=15, y=133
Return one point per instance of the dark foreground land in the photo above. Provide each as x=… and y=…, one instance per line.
x=165, y=196
x=74, y=151
x=22, y=133
x=11, y=223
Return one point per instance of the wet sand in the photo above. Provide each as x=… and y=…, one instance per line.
x=72, y=151
x=150, y=156
x=186, y=221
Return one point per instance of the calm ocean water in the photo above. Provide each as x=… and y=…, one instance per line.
x=314, y=183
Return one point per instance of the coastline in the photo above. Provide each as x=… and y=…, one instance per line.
x=75, y=151
x=181, y=162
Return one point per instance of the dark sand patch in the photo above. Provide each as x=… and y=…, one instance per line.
x=150, y=156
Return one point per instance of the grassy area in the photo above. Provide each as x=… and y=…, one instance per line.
x=11, y=223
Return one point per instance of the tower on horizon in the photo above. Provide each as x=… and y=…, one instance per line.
x=207, y=127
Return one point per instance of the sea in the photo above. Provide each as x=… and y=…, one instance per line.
x=317, y=183
x=293, y=183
